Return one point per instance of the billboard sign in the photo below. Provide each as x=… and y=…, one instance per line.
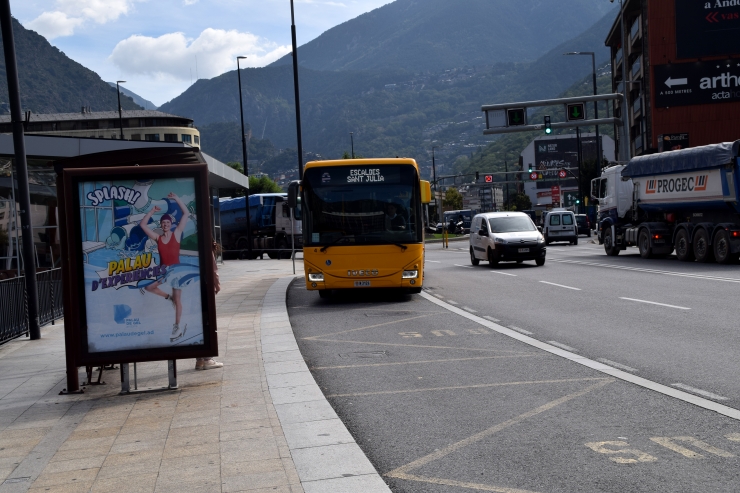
x=555, y=194
x=552, y=155
x=683, y=84
x=673, y=142
x=707, y=28
x=142, y=262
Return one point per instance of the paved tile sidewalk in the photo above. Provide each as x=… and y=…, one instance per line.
x=218, y=433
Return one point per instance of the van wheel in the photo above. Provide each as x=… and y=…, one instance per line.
x=643, y=243
x=575, y=242
x=492, y=259
x=721, y=247
x=609, y=247
x=540, y=262
x=684, y=251
x=473, y=260
x=702, y=249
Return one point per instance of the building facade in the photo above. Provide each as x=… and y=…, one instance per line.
x=145, y=125
x=680, y=63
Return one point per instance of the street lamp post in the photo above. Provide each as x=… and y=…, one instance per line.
x=434, y=172
x=244, y=157
x=299, y=139
x=352, y=144
x=120, y=113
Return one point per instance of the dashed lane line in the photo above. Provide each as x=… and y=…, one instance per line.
x=463, y=266
x=655, y=303
x=467, y=308
x=502, y=273
x=618, y=365
x=596, y=365
x=562, y=346
x=491, y=318
x=693, y=390
x=649, y=271
x=519, y=329
x=560, y=285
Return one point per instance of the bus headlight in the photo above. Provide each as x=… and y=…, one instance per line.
x=318, y=277
x=410, y=274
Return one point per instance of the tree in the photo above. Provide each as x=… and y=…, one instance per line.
x=347, y=155
x=263, y=184
x=522, y=202
x=453, y=199
x=236, y=165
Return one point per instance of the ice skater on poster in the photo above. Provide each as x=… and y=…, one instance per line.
x=142, y=272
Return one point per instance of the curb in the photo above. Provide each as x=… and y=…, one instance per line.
x=325, y=454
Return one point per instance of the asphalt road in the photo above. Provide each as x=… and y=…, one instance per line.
x=443, y=402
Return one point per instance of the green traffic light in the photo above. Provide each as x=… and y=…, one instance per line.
x=548, y=130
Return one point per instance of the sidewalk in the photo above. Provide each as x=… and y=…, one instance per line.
x=219, y=432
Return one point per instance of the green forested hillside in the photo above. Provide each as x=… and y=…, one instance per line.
x=431, y=35
x=53, y=83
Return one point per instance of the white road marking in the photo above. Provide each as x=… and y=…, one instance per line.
x=704, y=393
x=439, y=296
x=651, y=271
x=464, y=266
x=562, y=346
x=655, y=303
x=469, y=309
x=520, y=330
x=452, y=302
x=491, y=318
x=434, y=261
x=502, y=273
x=560, y=285
x=617, y=365
x=589, y=363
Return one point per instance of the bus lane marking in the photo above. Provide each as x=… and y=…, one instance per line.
x=312, y=338
x=704, y=393
x=598, y=366
x=399, y=363
x=670, y=444
x=403, y=472
x=602, y=448
x=655, y=303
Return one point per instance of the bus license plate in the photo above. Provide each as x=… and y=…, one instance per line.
x=524, y=250
x=362, y=284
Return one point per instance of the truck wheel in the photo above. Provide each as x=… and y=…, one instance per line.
x=702, y=249
x=684, y=250
x=283, y=245
x=609, y=247
x=643, y=243
x=722, y=251
x=492, y=259
x=473, y=260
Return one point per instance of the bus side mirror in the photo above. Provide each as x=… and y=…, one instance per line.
x=294, y=188
x=426, y=192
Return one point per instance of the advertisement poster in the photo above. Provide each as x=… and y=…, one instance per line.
x=141, y=265
x=707, y=28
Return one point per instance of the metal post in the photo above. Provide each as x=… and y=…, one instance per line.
x=172, y=373
x=352, y=144
x=120, y=113
x=292, y=236
x=125, y=382
x=19, y=144
x=436, y=204
x=136, y=379
x=626, y=148
x=580, y=161
x=506, y=201
x=244, y=158
x=297, y=95
x=596, y=115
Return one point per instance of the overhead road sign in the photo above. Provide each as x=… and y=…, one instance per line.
x=684, y=84
x=488, y=178
x=528, y=128
x=516, y=117
x=575, y=112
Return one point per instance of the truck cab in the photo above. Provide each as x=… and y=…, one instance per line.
x=614, y=196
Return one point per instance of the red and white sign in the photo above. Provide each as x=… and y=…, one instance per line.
x=562, y=174
x=555, y=192
x=533, y=175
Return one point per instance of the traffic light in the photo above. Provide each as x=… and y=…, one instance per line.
x=476, y=176
x=530, y=168
x=488, y=178
x=548, y=128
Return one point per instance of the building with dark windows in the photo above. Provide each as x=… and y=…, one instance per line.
x=146, y=125
x=680, y=62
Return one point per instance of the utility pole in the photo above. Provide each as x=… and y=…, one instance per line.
x=244, y=157
x=297, y=95
x=24, y=195
x=506, y=201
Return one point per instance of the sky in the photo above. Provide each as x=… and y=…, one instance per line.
x=160, y=47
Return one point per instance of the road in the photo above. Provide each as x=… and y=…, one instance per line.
x=442, y=396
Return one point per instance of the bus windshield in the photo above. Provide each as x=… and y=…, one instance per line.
x=364, y=204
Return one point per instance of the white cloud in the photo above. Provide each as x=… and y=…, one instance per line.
x=174, y=56
x=54, y=24
x=189, y=2
x=70, y=14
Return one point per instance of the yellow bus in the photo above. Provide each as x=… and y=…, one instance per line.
x=363, y=224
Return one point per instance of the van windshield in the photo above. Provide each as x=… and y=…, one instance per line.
x=511, y=224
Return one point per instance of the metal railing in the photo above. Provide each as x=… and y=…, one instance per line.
x=14, y=319
x=51, y=305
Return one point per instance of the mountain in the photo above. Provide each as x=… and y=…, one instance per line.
x=420, y=35
x=390, y=111
x=144, y=103
x=51, y=82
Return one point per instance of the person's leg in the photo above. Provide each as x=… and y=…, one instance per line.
x=177, y=296
x=154, y=288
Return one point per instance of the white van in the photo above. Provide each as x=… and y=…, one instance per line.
x=560, y=225
x=505, y=237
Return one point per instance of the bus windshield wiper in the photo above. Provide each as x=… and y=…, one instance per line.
x=323, y=249
x=402, y=247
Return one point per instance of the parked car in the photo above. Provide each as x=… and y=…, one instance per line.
x=505, y=237
x=584, y=225
x=560, y=225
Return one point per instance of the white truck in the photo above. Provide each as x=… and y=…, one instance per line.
x=685, y=200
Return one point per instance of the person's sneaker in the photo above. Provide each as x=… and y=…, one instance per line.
x=208, y=364
x=177, y=333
